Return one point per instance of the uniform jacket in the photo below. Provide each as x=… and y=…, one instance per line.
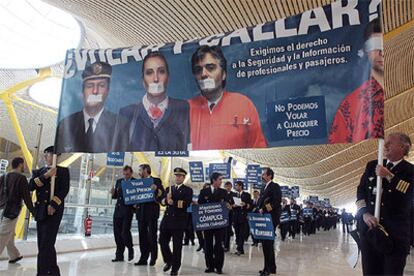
x=270, y=201
x=176, y=216
x=171, y=133
x=41, y=185
x=151, y=210
x=207, y=196
x=396, y=201
x=240, y=212
x=110, y=134
x=121, y=210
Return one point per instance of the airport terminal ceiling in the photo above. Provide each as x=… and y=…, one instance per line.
x=328, y=170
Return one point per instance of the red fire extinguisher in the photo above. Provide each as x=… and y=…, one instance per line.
x=87, y=224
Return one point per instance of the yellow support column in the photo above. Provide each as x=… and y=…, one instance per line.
x=6, y=96
x=19, y=133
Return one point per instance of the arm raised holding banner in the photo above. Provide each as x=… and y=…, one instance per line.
x=383, y=208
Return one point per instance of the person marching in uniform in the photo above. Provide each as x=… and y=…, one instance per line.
x=269, y=203
x=385, y=243
x=240, y=222
x=48, y=212
x=122, y=219
x=213, y=238
x=294, y=221
x=175, y=221
x=229, y=231
x=284, y=219
x=147, y=215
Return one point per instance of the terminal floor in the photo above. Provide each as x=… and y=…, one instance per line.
x=322, y=254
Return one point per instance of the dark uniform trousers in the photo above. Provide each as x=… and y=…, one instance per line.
x=48, y=226
x=285, y=225
x=270, y=202
x=122, y=222
x=147, y=215
x=229, y=231
x=240, y=222
x=189, y=230
x=395, y=208
x=173, y=225
x=214, y=238
x=294, y=224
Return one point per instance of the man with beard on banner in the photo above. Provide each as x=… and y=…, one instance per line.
x=94, y=128
x=177, y=199
x=217, y=111
x=158, y=122
x=147, y=215
x=269, y=203
x=361, y=114
x=385, y=242
x=242, y=205
x=48, y=212
x=213, y=238
x=122, y=219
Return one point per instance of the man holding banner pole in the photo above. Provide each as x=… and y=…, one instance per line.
x=385, y=237
x=51, y=184
x=214, y=238
x=269, y=203
x=147, y=215
x=178, y=198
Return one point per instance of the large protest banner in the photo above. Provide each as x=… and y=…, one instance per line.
x=261, y=226
x=137, y=191
x=210, y=216
x=313, y=78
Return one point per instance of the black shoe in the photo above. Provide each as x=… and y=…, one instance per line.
x=167, y=267
x=209, y=270
x=199, y=248
x=15, y=260
x=140, y=262
x=264, y=273
x=174, y=273
x=226, y=249
x=219, y=271
x=152, y=262
x=130, y=254
x=117, y=260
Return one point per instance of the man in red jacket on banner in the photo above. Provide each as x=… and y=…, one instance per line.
x=361, y=114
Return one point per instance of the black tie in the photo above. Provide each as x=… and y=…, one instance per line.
x=89, y=133
x=212, y=106
x=389, y=166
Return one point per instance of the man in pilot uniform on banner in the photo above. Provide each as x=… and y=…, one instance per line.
x=385, y=243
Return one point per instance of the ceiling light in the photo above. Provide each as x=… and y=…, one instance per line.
x=47, y=92
x=35, y=34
